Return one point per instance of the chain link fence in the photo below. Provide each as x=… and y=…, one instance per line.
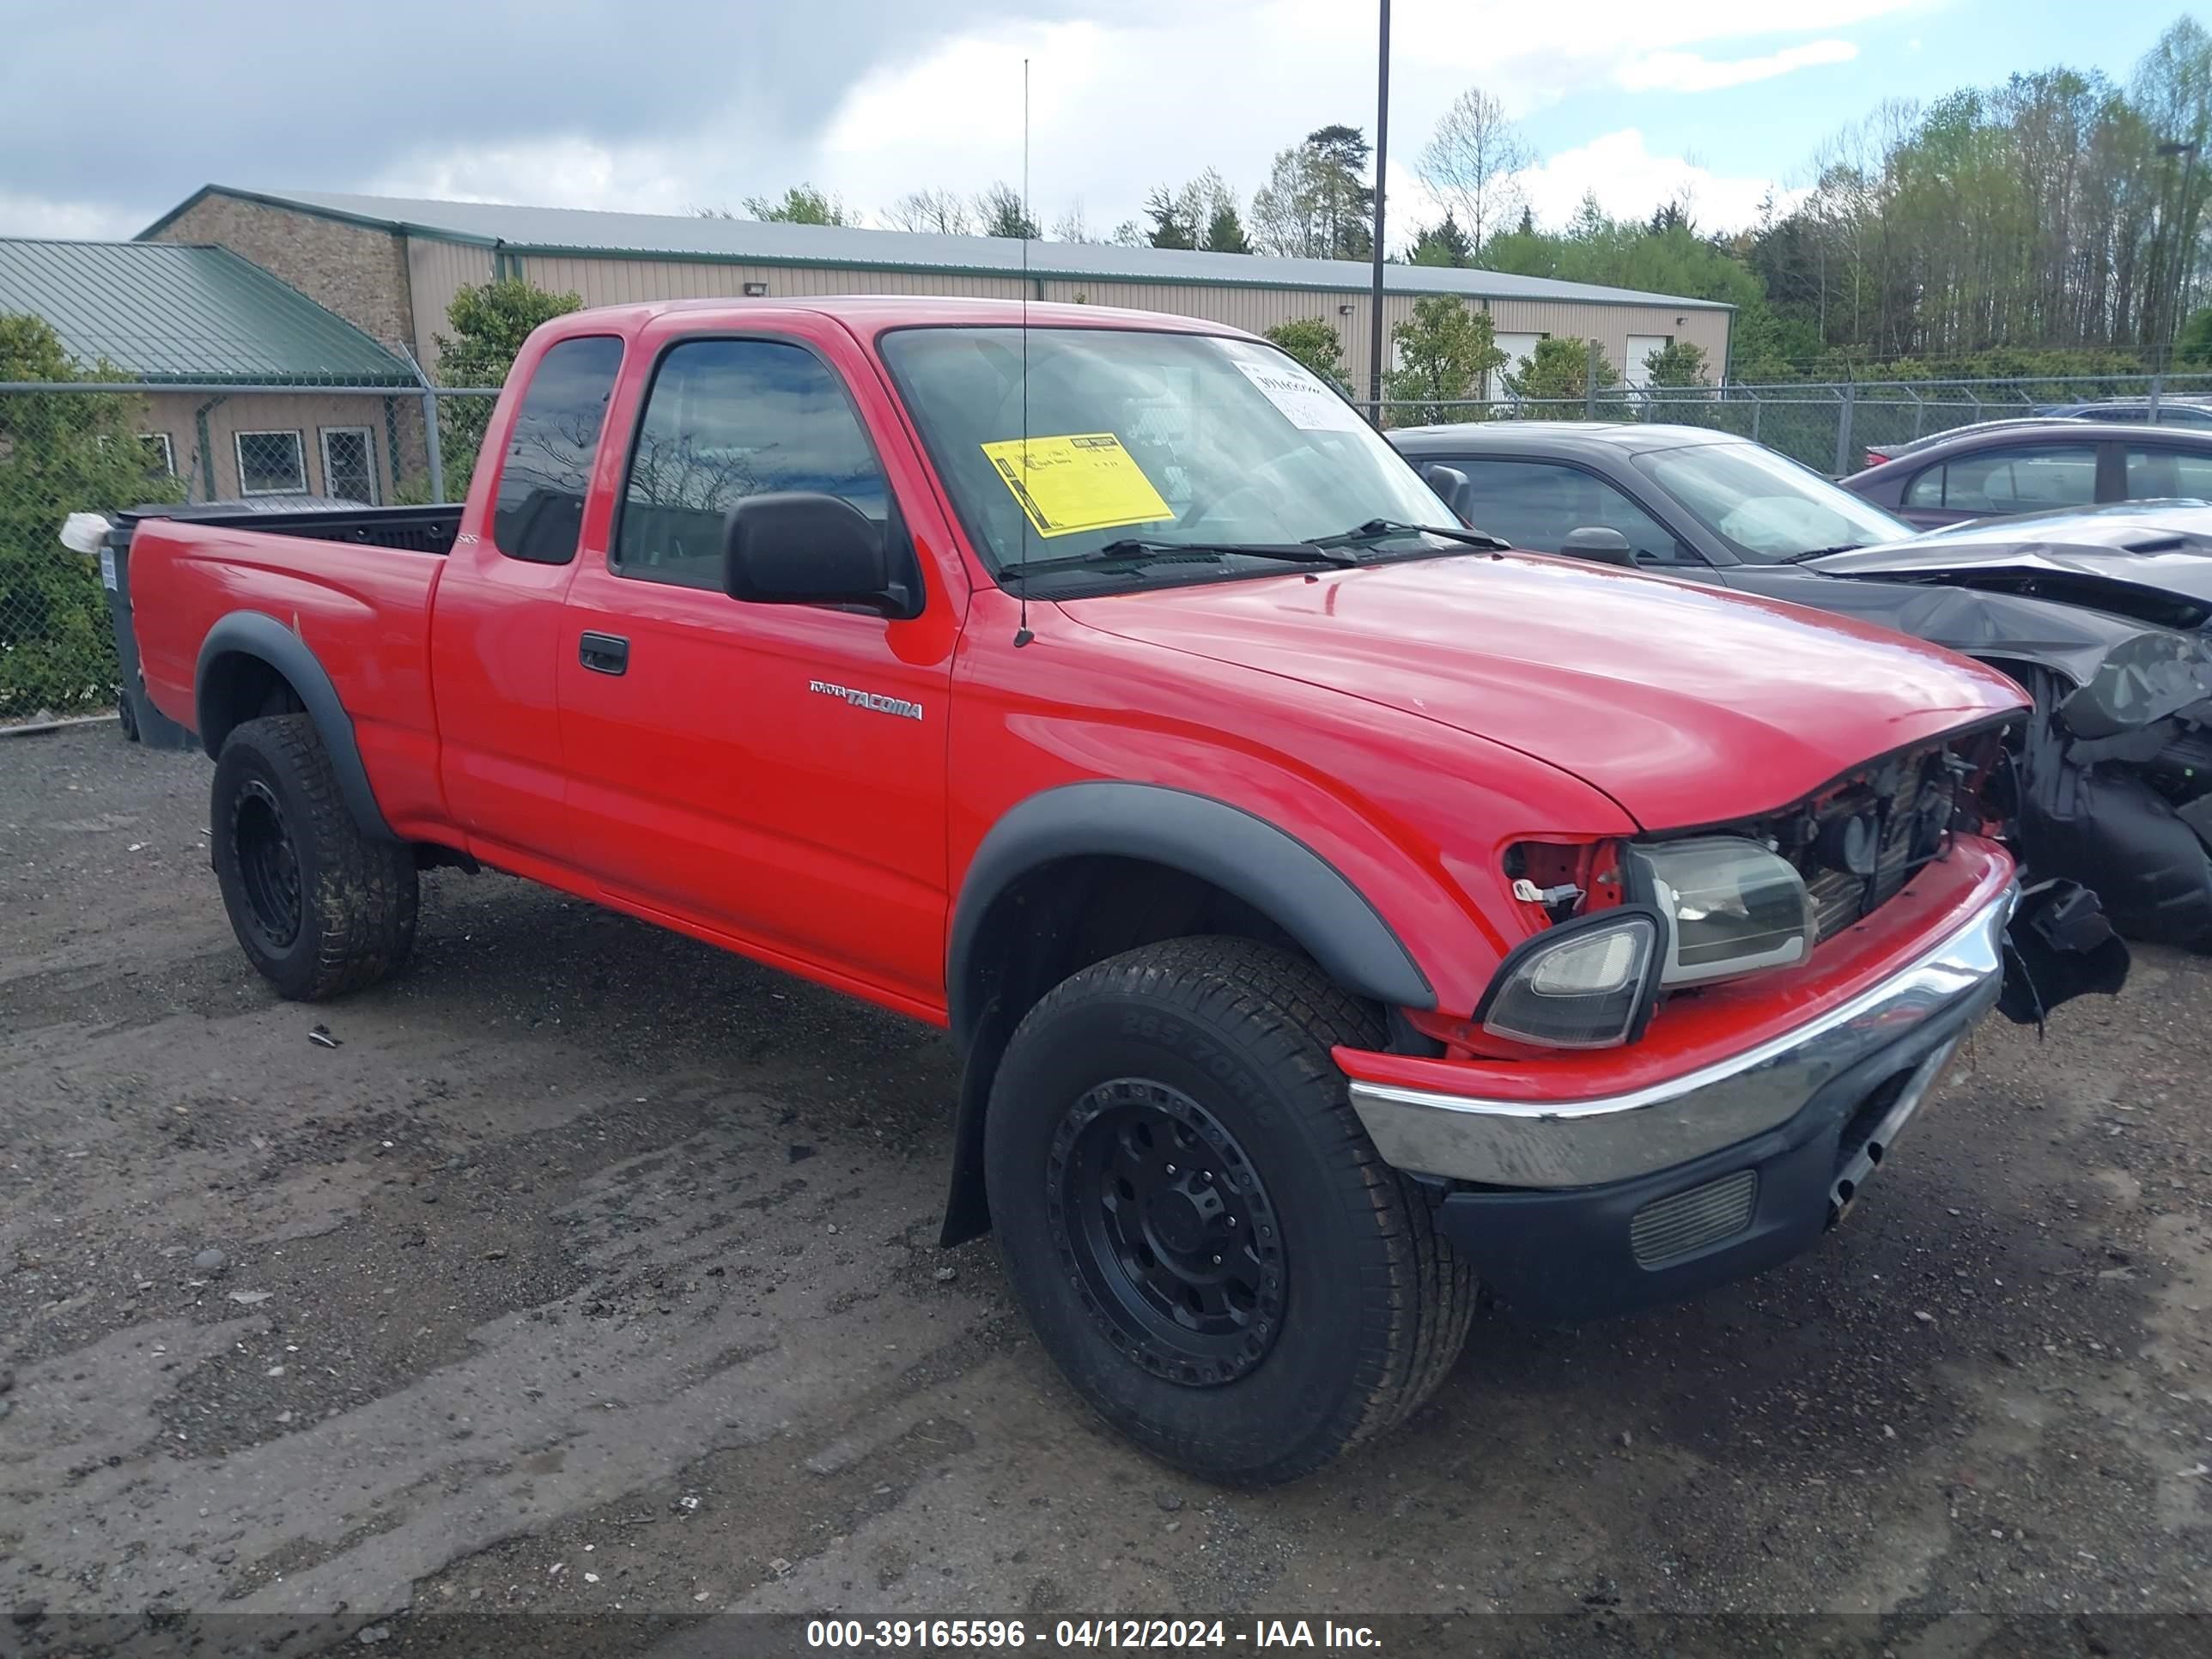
x=1834, y=427
x=95, y=446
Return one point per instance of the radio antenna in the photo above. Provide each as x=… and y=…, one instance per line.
x=1022, y=635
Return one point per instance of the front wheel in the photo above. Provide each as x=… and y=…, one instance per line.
x=319, y=907
x=1195, y=1223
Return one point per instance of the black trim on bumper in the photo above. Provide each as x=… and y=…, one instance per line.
x=1565, y=1254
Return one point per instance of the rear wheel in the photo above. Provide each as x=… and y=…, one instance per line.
x=1197, y=1225
x=318, y=906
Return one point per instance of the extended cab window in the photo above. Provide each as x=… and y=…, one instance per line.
x=540, y=509
x=726, y=419
x=1533, y=504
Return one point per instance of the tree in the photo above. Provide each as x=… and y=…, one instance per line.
x=2194, y=345
x=1472, y=163
x=489, y=322
x=801, y=204
x=1316, y=204
x=1445, y=352
x=1445, y=244
x=1169, y=229
x=939, y=212
x=1200, y=215
x=1225, y=231
x=1678, y=362
x=1554, y=382
x=1070, y=228
x=1316, y=344
x=60, y=453
x=1001, y=212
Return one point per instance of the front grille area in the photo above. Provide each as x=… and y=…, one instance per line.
x=1691, y=1221
x=1860, y=842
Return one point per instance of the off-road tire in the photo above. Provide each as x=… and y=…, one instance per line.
x=277, y=812
x=1376, y=1306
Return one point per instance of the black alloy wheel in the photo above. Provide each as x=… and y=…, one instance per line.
x=268, y=864
x=1165, y=1223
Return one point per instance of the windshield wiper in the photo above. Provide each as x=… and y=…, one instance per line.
x=1819, y=553
x=1379, y=530
x=1133, y=553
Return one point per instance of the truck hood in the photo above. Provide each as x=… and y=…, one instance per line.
x=1687, y=705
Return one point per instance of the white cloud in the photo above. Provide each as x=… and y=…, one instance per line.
x=1629, y=181
x=37, y=215
x=927, y=94
x=1685, y=71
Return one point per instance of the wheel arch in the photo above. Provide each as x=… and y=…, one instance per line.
x=246, y=657
x=1010, y=940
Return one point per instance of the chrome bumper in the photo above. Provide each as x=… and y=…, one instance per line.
x=1585, y=1143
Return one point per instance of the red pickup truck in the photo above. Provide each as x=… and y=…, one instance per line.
x=1331, y=905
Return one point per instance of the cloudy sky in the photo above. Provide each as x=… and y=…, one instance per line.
x=111, y=113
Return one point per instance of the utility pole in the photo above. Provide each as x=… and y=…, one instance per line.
x=1381, y=166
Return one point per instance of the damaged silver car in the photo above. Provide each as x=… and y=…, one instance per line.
x=2104, y=615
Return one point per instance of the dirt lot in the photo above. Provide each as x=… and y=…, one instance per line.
x=594, y=1274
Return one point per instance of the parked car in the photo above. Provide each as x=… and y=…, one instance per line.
x=1894, y=449
x=1330, y=906
x=2102, y=615
x=2025, y=469
x=2183, y=412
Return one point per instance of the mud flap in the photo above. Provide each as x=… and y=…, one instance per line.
x=2059, y=945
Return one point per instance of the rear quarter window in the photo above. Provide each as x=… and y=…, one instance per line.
x=547, y=466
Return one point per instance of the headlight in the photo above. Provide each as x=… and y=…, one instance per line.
x=1578, y=986
x=1732, y=908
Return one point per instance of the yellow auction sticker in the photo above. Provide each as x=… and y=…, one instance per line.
x=1085, y=481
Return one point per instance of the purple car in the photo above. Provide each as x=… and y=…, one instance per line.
x=2035, y=466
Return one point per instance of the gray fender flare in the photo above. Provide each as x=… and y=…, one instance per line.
x=1278, y=875
x=1273, y=871
x=254, y=634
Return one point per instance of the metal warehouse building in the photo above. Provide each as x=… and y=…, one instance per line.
x=391, y=266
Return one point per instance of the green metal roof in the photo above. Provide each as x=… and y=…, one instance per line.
x=156, y=311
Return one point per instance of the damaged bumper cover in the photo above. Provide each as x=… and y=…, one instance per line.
x=1575, y=1208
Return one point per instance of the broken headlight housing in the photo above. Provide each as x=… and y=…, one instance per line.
x=1700, y=910
x=1731, y=908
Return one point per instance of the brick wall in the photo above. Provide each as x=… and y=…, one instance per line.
x=359, y=273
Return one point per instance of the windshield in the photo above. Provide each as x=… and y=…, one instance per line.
x=1165, y=438
x=1763, y=505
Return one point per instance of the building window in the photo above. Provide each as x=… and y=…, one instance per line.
x=350, y=462
x=160, y=459
x=271, y=463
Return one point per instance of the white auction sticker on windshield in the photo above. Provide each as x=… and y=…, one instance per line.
x=1306, y=404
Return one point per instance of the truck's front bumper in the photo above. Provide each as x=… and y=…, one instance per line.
x=1568, y=1209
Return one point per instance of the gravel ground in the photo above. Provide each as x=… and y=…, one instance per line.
x=592, y=1273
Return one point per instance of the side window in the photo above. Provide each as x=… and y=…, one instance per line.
x=1926, y=489
x=2021, y=479
x=1533, y=504
x=540, y=509
x=2165, y=474
x=726, y=419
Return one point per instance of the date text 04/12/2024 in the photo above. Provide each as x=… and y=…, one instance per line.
x=987, y=1635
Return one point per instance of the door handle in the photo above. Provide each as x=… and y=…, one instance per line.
x=604, y=653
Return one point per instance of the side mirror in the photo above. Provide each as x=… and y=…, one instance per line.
x=798, y=548
x=1452, y=486
x=1600, y=543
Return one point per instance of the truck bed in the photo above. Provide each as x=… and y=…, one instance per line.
x=353, y=587
x=417, y=529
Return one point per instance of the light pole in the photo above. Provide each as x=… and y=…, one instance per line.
x=2181, y=248
x=1382, y=164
